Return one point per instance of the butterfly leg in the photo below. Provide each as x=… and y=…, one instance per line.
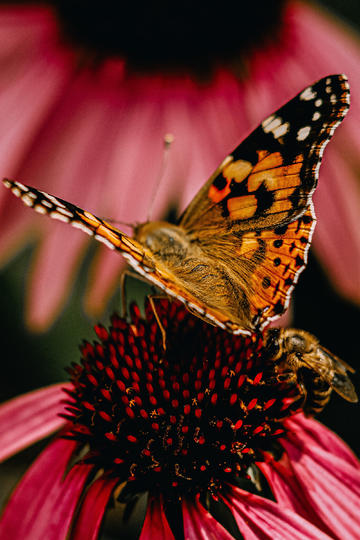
x=199, y=316
x=151, y=298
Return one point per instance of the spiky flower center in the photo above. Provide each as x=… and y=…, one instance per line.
x=187, y=418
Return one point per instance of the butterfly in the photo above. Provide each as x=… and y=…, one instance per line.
x=235, y=254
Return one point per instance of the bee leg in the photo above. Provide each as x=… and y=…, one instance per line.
x=151, y=298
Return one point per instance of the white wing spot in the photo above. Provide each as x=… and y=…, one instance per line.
x=21, y=186
x=328, y=80
x=60, y=217
x=333, y=99
x=16, y=191
x=328, y=89
x=27, y=200
x=47, y=203
x=303, y=133
x=54, y=200
x=281, y=130
x=318, y=103
x=316, y=116
x=79, y=225
x=104, y=241
x=308, y=94
x=64, y=212
x=275, y=125
x=40, y=209
x=267, y=121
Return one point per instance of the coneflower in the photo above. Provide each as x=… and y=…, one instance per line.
x=205, y=427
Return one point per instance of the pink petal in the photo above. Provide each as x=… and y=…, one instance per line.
x=332, y=487
x=319, y=481
x=29, y=418
x=44, y=502
x=288, y=492
x=51, y=274
x=200, y=524
x=75, y=128
x=93, y=508
x=311, y=432
x=261, y=519
x=155, y=524
x=337, y=236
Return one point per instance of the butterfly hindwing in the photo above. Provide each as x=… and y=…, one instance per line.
x=274, y=277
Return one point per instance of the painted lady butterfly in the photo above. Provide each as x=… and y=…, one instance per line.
x=235, y=254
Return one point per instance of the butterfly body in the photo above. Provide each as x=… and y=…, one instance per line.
x=236, y=253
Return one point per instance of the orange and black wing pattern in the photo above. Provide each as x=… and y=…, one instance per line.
x=261, y=197
x=64, y=211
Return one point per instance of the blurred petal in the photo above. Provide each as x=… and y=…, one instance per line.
x=43, y=504
x=199, y=524
x=261, y=519
x=53, y=268
x=93, y=508
x=29, y=418
x=155, y=524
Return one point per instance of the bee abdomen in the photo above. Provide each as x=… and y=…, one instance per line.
x=318, y=395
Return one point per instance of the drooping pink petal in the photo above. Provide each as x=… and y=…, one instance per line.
x=311, y=432
x=155, y=524
x=261, y=519
x=199, y=524
x=318, y=477
x=29, y=418
x=44, y=502
x=331, y=485
x=288, y=492
x=93, y=508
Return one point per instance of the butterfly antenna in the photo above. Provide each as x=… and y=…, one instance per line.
x=168, y=139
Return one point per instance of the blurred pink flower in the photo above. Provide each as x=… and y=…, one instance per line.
x=94, y=137
x=131, y=415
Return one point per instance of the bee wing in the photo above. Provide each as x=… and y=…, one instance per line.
x=334, y=372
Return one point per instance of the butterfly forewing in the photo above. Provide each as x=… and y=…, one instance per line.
x=61, y=210
x=260, y=197
x=269, y=178
x=239, y=247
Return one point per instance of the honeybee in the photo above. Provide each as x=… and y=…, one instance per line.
x=302, y=360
